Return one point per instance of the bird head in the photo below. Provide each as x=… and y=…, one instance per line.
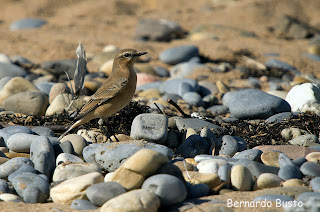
x=128, y=56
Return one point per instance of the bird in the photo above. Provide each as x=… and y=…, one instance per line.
x=115, y=92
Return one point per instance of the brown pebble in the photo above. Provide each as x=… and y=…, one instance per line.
x=270, y=158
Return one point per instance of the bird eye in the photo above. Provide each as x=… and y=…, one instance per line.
x=127, y=55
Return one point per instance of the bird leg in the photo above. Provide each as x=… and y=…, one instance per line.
x=106, y=131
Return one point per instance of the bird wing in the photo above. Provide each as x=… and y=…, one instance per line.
x=107, y=91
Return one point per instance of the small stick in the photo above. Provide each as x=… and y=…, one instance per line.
x=178, y=108
x=158, y=108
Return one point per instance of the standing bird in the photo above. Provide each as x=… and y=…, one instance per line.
x=115, y=93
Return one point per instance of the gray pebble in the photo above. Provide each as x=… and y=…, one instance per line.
x=100, y=193
x=173, y=85
x=3, y=81
x=288, y=172
x=178, y=54
x=64, y=147
x=43, y=157
x=173, y=97
x=218, y=109
x=257, y=168
x=284, y=160
x=193, y=99
x=224, y=172
x=310, y=169
x=197, y=124
x=13, y=165
x=151, y=85
x=229, y=146
x=299, y=161
x=21, y=60
x=182, y=70
x=82, y=204
x=11, y=70
x=160, y=184
x=242, y=144
x=4, y=186
x=21, y=142
x=27, y=23
x=161, y=72
x=256, y=104
x=192, y=146
x=23, y=168
x=29, y=180
x=44, y=131
x=151, y=127
x=6, y=132
x=315, y=184
x=279, y=117
x=308, y=195
x=45, y=87
x=274, y=63
x=208, y=88
x=111, y=155
x=251, y=154
x=60, y=67
x=197, y=190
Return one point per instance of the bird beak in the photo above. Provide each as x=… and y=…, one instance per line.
x=140, y=53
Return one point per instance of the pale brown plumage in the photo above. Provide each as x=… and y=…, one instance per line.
x=115, y=93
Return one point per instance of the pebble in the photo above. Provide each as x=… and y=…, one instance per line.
x=5, y=58
x=60, y=67
x=29, y=103
x=135, y=200
x=241, y=178
x=31, y=187
x=56, y=89
x=158, y=30
x=193, y=99
x=61, y=102
x=161, y=183
x=183, y=70
x=198, y=190
x=313, y=157
x=208, y=166
x=100, y=193
x=268, y=180
x=20, y=60
x=65, y=147
x=299, y=161
x=77, y=141
x=255, y=104
x=289, y=172
x=251, y=154
x=210, y=179
x=43, y=157
x=3, y=81
x=45, y=87
x=4, y=186
x=6, y=197
x=11, y=70
x=274, y=63
x=308, y=195
x=280, y=117
x=179, y=54
x=155, y=85
x=74, y=188
x=21, y=142
x=14, y=86
x=70, y=170
x=257, y=168
x=13, y=165
x=82, y=204
x=132, y=173
x=302, y=97
x=315, y=184
x=305, y=140
x=27, y=23
x=173, y=85
x=224, y=172
x=218, y=109
x=161, y=72
x=197, y=124
x=310, y=169
x=43, y=131
x=192, y=146
x=292, y=182
x=229, y=146
x=111, y=155
x=151, y=127
x=64, y=157
x=23, y=168
x=284, y=160
x=291, y=151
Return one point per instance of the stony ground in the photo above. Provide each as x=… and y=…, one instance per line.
x=114, y=23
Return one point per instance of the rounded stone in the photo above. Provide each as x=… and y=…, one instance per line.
x=308, y=195
x=198, y=190
x=292, y=182
x=315, y=184
x=193, y=99
x=64, y=157
x=13, y=165
x=136, y=200
x=82, y=204
x=27, y=23
x=161, y=183
x=289, y=172
x=268, y=180
x=100, y=193
x=78, y=142
x=178, y=54
x=210, y=179
x=21, y=142
x=241, y=178
x=43, y=131
x=229, y=146
x=23, y=168
x=211, y=165
x=6, y=197
x=310, y=169
x=56, y=89
x=251, y=154
x=313, y=157
x=194, y=145
x=11, y=70
x=270, y=158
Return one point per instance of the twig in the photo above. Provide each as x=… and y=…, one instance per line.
x=158, y=108
x=178, y=108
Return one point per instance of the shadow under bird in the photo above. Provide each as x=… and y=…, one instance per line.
x=115, y=93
